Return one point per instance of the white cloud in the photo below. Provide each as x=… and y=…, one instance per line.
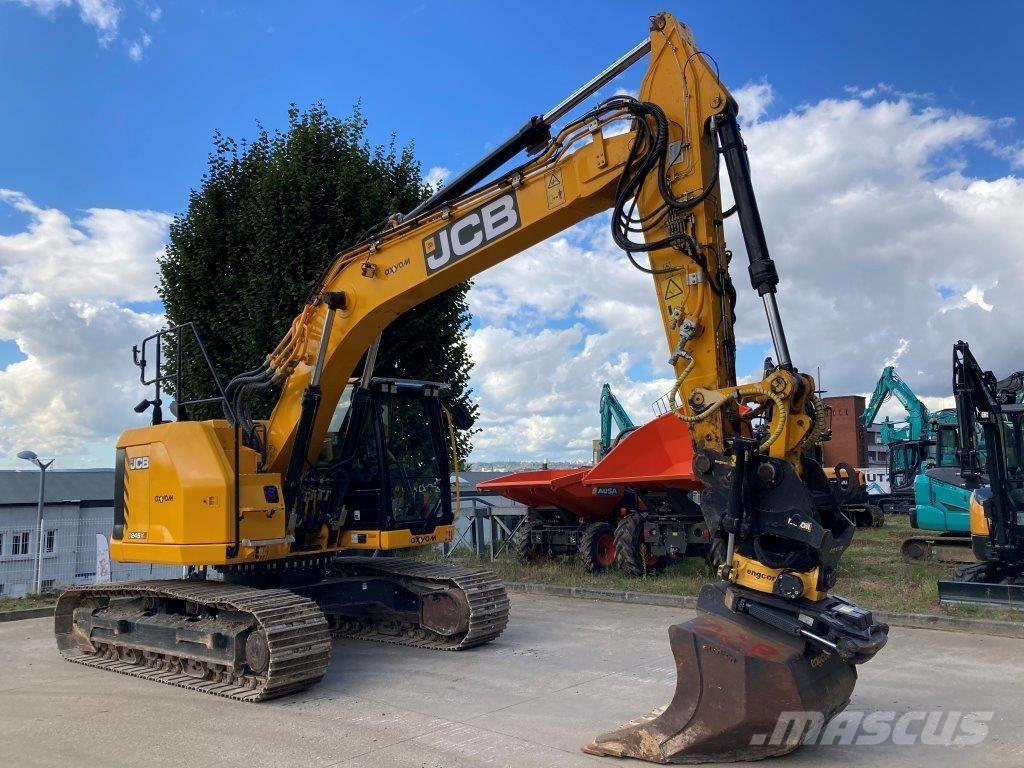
x=537, y=386
x=437, y=176
x=74, y=392
x=107, y=254
x=65, y=286
x=885, y=90
x=901, y=349
x=135, y=50
x=105, y=17
x=888, y=248
x=753, y=100
x=883, y=239
x=102, y=15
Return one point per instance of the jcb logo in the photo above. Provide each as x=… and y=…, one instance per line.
x=477, y=228
x=139, y=462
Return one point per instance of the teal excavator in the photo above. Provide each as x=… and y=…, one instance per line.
x=912, y=443
x=924, y=474
x=612, y=410
x=919, y=423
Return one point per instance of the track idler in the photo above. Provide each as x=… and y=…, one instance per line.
x=737, y=678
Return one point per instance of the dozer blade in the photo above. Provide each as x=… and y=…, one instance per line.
x=739, y=685
x=1009, y=596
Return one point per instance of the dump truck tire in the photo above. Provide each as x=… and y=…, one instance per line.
x=525, y=549
x=630, y=552
x=597, y=548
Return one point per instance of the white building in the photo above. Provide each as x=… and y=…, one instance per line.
x=79, y=505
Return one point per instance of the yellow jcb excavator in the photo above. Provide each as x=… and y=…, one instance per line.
x=274, y=506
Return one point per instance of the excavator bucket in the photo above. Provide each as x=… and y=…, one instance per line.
x=744, y=691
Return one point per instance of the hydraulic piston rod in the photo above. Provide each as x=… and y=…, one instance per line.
x=603, y=77
x=763, y=276
x=535, y=133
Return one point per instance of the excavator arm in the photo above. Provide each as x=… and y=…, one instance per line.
x=611, y=410
x=889, y=383
x=666, y=167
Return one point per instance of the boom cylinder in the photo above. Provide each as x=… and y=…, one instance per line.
x=310, y=402
x=763, y=275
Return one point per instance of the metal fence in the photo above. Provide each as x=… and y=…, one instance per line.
x=65, y=549
x=483, y=527
x=65, y=552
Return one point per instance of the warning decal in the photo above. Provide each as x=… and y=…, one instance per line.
x=555, y=190
x=672, y=289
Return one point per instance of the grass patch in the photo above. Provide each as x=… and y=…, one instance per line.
x=25, y=603
x=872, y=573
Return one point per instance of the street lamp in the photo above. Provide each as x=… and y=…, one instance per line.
x=31, y=456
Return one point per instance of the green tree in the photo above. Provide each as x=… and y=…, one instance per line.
x=268, y=217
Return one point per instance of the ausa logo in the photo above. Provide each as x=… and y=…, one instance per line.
x=483, y=225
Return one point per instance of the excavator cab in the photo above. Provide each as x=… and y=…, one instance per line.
x=384, y=465
x=388, y=449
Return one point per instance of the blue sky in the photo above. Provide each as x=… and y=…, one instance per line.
x=896, y=244
x=95, y=128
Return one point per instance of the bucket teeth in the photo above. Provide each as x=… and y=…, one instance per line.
x=744, y=691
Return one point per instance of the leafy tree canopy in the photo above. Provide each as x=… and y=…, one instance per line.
x=267, y=218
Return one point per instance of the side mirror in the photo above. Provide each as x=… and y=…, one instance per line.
x=179, y=411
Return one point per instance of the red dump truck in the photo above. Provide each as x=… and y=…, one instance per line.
x=633, y=508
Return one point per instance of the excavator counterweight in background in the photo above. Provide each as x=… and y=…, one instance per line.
x=275, y=506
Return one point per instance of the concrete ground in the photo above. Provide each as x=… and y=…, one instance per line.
x=563, y=671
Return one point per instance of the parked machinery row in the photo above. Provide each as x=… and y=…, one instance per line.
x=638, y=507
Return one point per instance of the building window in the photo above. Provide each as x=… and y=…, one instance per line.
x=46, y=585
x=1, y=548
x=51, y=540
x=19, y=543
x=1, y=589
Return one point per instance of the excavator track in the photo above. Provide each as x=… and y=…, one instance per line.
x=294, y=653
x=484, y=593
x=940, y=549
